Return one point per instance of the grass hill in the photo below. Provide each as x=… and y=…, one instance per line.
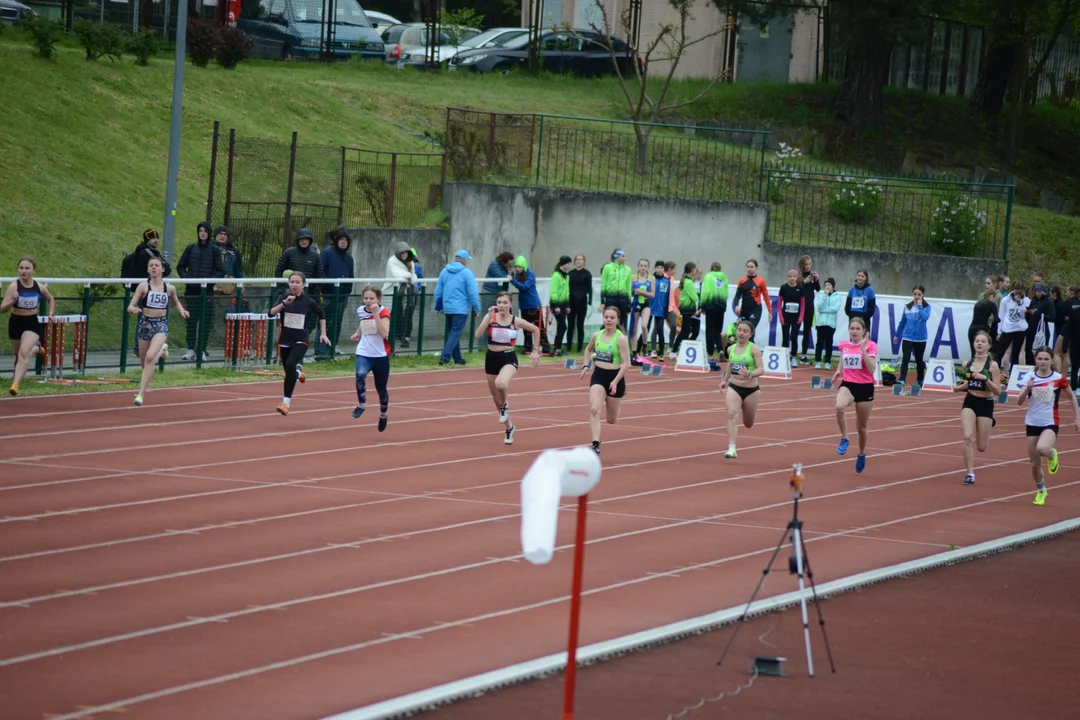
x=85, y=144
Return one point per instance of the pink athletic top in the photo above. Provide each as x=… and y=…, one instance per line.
x=852, y=363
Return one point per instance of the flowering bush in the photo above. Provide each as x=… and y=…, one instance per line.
x=957, y=226
x=781, y=182
x=855, y=199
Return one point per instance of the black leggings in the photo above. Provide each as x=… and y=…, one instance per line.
x=1016, y=340
x=807, y=326
x=560, y=324
x=688, y=331
x=532, y=316
x=824, y=342
x=919, y=349
x=659, y=322
x=578, y=310
x=789, y=332
x=291, y=356
x=714, y=328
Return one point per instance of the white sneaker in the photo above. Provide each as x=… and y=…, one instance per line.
x=504, y=413
x=205, y=356
x=165, y=351
x=189, y=355
x=509, y=439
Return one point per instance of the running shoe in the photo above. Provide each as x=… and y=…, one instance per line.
x=1040, y=497
x=300, y=373
x=14, y=390
x=817, y=366
x=504, y=413
x=860, y=463
x=841, y=449
x=283, y=408
x=969, y=479
x=828, y=366
x=509, y=439
x=165, y=351
x=138, y=400
x=804, y=360
x=358, y=412
x=731, y=454
x=596, y=447
x=382, y=423
x=1052, y=463
x=188, y=355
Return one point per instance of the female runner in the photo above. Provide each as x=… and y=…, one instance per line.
x=152, y=329
x=500, y=362
x=740, y=383
x=1044, y=388
x=295, y=308
x=858, y=360
x=609, y=350
x=23, y=299
x=372, y=351
x=982, y=381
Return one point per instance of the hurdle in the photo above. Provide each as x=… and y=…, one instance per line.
x=55, y=340
x=246, y=339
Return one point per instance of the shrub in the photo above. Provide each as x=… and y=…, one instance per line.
x=855, y=199
x=143, y=45
x=781, y=182
x=44, y=34
x=203, y=42
x=235, y=47
x=99, y=39
x=958, y=226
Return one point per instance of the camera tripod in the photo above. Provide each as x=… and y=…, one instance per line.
x=799, y=565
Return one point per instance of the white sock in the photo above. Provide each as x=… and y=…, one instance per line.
x=286, y=401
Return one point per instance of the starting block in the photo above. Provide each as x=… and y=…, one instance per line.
x=653, y=370
x=818, y=383
x=914, y=391
x=571, y=364
x=1003, y=398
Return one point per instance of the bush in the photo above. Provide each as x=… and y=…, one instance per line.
x=958, y=226
x=855, y=199
x=235, y=47
x=143, y=45
x=44, y=34
x=99, y=39
x=203, y=42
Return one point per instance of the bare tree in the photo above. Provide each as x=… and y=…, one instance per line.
x=645, y=103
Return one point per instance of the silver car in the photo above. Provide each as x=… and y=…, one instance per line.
x=413, y=44
x=12, y=12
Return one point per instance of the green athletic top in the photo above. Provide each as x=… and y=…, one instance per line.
x=615, y=281
x=607, y=350
x=742, y=360
x=688, y=300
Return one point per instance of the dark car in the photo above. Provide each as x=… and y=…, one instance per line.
x=581, y=52
x=12, y=12
x=293, y=28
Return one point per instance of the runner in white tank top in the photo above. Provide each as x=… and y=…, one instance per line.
x=500, y=363
x=1042, y=393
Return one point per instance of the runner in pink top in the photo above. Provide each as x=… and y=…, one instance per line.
x=858, y=360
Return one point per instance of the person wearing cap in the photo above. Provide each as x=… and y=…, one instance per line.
x=1040, y=313
x=616, y=283
x=559, y=300
x=201, y=259
x=302, y=258
x=455, y=296
x=529, y=303
x=337, y=263
x=400, y=267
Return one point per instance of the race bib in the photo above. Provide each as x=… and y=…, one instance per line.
x=369, y=326
x=1044, y=394
x=157, y=299
x=791, y=308
x=604, y=357
x=737, y=367
x=503, y=336
x=294, y=321
x=853, y=362
x=858, y=302
x=27, y=302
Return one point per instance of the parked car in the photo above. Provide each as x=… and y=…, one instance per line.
x=581, y=52
x=494, y=37
x=12, y=13
x=380, y=21
x=390, y=37
x=291, y=28
x=414, y=40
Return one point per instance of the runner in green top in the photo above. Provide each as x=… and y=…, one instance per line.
x=740, y=383
x=615, y=284
x=559, y=300
x=609, y=351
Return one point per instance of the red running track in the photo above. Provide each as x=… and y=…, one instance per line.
x=205, y=557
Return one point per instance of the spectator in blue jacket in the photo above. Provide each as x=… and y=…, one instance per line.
x=912, y=331
x=529, y=303
x=499, y=269
x=337, y=262
x=455, y=296
x=861, y=300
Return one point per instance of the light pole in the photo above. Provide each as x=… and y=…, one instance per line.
x=169, y=226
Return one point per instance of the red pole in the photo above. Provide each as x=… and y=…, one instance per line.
x=575, y=610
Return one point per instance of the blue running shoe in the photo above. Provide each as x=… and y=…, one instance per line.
x=860, y=463
x=841, y=449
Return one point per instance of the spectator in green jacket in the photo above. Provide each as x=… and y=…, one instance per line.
x=615, y=284
x=688, y=307
x=714, y=297
x=559, y=300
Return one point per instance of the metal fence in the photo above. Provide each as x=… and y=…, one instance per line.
x=158, y=15
x=910, y=215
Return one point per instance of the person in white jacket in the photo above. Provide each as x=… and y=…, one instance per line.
x=1012, y=325
x=399, y=267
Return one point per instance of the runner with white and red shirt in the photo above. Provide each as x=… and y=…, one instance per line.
x=1042, y=394
x=372, y=352
x=500, y=364
x=858, y=360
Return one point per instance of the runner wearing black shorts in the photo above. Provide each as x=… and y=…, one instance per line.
x=500, y=362
x=981, y=380
x=609, y=353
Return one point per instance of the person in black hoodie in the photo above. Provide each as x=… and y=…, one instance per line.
x=1040, y=314
x=581, y=294
x=201, y=259
x=145, y=251
x=303, y=258
x=336, y=263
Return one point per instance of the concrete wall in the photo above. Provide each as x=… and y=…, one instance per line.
x=372, y=247
x=543, y=224
x=890, y=273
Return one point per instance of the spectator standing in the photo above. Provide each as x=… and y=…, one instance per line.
x=146, y=251
x=1012, y=326
x=861, y=300
x=616, y=283
x=337, y=263
x=810, y=288
x=401, y=268
x=524, y=280
x=232, y=265
x=581, y=297
x=913, y=335
x=984, y=314
x=827, y=303
x=714, y=297
x=201, y=259
x=1040, y=313
x=501, y=268
x=302, y=258
x=559, y=300
x=455, y=296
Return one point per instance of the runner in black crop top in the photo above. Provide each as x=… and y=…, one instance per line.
x=981, y=383
x=500, y=362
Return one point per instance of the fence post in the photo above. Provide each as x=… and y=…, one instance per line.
x=393, y=191
x=420, y=322
x=539, y=148
x=491, y=142
x=289, y=192
x=213, y=173
x=200, y=345
x=236, y=326
x=338, y=314
x=124, y=331
x=1008, y=222
x=341, y=191
x=229, y=175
